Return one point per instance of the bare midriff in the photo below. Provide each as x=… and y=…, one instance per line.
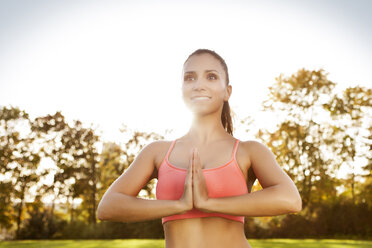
x=213, y=232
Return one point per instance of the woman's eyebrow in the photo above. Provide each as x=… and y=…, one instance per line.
x=205, y=71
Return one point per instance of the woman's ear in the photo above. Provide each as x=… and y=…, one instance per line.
x=228, y=92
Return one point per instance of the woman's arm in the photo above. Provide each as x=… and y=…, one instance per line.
x=125, y=208
x=120, y=201
x=278, y=196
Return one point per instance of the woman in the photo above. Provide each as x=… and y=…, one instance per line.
x=203, y=194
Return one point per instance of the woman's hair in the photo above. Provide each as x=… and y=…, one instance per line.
x=225, y=115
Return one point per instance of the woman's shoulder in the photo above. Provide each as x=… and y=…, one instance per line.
x=252, y=145
x=159, y=144
x=250, y=148
x=156, y=147
x=159, y=149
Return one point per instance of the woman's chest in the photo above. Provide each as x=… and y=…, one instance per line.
x=226, y=180
x=241, y=159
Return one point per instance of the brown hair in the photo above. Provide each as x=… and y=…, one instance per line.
x=225, y=115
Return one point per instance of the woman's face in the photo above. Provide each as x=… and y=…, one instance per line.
x=203, y=75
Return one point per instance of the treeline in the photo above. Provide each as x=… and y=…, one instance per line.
x=339, y=219
x=70, y=166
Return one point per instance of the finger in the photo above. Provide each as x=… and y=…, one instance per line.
x=197, y=164
x=191, y=157
x=191, y=160
x=195, y=167
x=189, y=172
x=196, y=173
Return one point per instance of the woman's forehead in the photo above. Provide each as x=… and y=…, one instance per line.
x=202, y=62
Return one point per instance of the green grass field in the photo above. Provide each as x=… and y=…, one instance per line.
x=142, y=243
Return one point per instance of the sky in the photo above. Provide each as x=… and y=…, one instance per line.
x=109, y=63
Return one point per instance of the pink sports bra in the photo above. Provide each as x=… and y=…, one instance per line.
x=222, y=181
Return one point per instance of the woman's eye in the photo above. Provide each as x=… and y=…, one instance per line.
x=187, y=78
x=212, y=76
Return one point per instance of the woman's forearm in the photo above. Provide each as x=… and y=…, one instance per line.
x=274, y=200
x=125, y=208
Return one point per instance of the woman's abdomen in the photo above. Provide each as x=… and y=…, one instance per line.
x=205, y=232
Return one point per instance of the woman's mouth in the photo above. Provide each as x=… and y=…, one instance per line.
x=200, y=98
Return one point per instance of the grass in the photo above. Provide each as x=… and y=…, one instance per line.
x=159, y=243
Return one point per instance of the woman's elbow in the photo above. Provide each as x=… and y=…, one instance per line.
x=294, y=199
x=102, y=213
x=296, y=205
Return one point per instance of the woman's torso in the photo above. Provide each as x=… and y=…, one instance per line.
x=207, y=231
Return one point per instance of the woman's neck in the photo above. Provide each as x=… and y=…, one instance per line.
x=206, y=129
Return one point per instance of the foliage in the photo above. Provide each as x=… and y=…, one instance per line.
x=317, y=132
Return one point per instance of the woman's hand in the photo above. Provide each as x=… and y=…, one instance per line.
x=187, y=196
x=195, y=192
x=199, y=186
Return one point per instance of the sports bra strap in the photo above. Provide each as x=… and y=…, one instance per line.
x=170, y=148
x=235, y=148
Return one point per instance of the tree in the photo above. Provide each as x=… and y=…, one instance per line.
x=299, y=142
x=74, y=151
x=318, y=132
x=19, y=161
x=353, y=111
x=116, y=158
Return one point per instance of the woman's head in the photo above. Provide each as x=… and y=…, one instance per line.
x=205, y=73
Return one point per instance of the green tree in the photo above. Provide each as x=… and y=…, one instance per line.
x=19, y=162
x=317, y=132
x=116, y=158
x=73, y=148
x=352, y=111
x=300, y=141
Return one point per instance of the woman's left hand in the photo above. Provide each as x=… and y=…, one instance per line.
x=200, y=190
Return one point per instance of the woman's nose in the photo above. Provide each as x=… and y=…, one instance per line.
x=199, y=83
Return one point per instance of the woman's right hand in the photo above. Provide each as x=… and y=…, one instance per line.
x=187, y=197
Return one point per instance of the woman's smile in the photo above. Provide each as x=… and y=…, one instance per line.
x=201, y=98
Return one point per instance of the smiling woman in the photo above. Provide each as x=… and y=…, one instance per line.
x=205, y=177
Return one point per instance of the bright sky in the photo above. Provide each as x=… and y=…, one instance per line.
x=119, y=62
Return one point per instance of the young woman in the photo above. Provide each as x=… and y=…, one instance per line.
x=204, y=193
